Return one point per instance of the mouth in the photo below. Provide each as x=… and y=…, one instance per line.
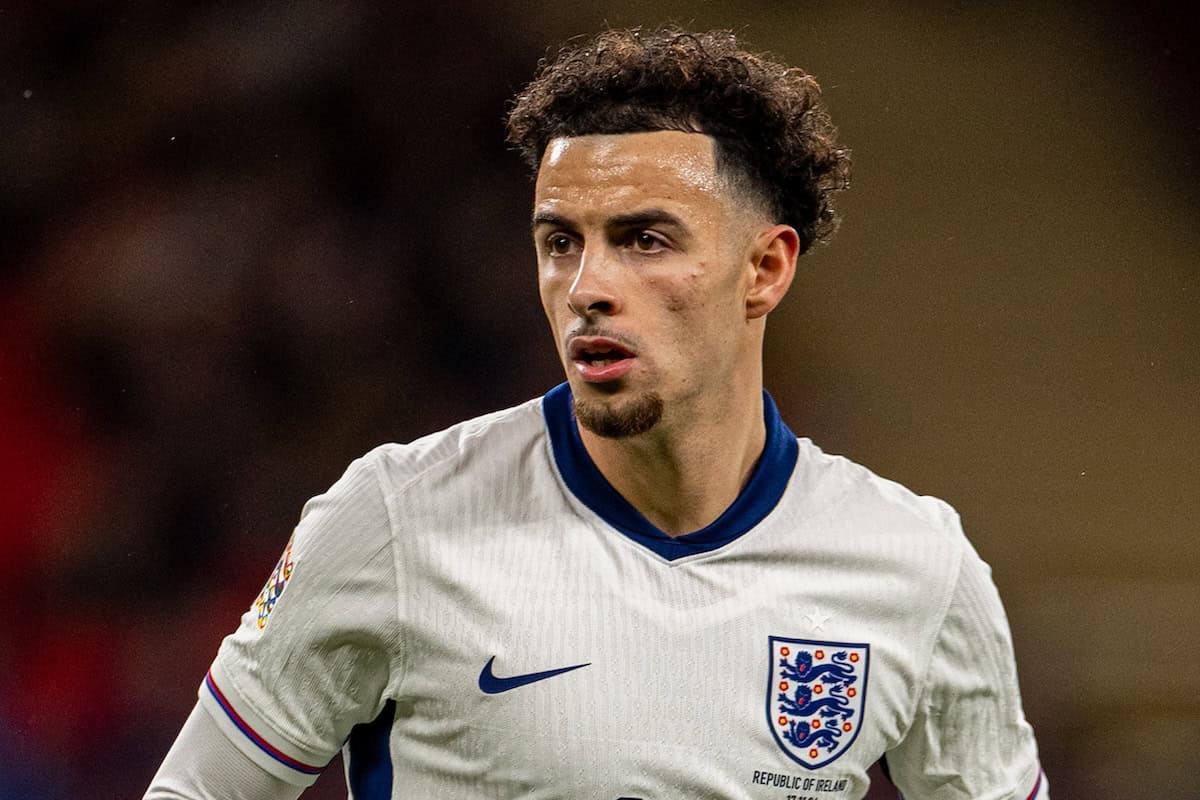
x=599, y=359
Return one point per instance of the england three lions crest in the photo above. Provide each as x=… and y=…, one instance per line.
x=815, y=696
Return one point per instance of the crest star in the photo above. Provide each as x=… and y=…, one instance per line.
x=816, y=618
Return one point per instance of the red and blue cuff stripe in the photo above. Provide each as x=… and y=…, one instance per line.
x=253, y=735
x=1036, y=786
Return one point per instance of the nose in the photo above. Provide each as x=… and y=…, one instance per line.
x=593, y=292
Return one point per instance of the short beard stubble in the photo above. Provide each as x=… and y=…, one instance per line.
x=620, y=420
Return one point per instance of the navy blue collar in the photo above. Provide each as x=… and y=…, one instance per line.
x=760, y=495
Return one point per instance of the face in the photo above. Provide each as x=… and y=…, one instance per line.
x=644, y=265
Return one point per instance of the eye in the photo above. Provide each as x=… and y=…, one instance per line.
x=559, y=244
x=647, y=242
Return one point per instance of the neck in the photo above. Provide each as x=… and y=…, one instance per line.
x=683, y=474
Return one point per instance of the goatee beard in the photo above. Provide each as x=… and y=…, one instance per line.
x=619, y=420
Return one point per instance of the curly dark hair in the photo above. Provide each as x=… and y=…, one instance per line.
x=773, y=135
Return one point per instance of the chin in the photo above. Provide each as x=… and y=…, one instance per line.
x=620, y=417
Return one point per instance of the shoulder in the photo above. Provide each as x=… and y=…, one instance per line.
x=868, y=525
x=437, y=478
x=365, y=491
x=834, y=483
x=472, y=449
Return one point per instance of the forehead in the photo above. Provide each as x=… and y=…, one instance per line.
x=609, y=172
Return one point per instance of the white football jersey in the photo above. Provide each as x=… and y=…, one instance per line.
x=479, y=614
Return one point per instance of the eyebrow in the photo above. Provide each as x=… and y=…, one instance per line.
x=634, y=219
x=648, y=217
x=554, y=220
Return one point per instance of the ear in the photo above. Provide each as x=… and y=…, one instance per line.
x=773, y=258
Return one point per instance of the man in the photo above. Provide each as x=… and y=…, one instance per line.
x=641, y=585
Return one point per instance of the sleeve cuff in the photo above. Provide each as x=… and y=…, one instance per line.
x=250, y=733
x=1041, y=788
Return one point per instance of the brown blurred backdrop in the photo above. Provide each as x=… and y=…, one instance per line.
x=240, y=245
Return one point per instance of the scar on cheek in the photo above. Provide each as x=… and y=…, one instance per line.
x=676, y=302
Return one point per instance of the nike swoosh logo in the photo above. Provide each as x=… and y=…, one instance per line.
x=490, y=684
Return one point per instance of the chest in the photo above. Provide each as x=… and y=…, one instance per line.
x=569, y=673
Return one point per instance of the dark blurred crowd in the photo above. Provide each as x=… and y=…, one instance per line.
x=242, y=245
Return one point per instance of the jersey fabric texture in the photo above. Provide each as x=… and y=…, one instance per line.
x=480, y=614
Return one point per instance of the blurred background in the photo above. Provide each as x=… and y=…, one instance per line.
x=242, y=243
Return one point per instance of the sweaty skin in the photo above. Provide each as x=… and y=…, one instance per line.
x=648, y=257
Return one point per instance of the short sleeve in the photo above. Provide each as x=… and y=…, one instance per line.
x=316, y=652
x=969, y=737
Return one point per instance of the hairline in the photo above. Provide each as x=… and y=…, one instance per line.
x=743, y=191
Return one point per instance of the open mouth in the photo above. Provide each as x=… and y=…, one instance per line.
x=598, y=350
x=602, y=358
x=599, y=358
